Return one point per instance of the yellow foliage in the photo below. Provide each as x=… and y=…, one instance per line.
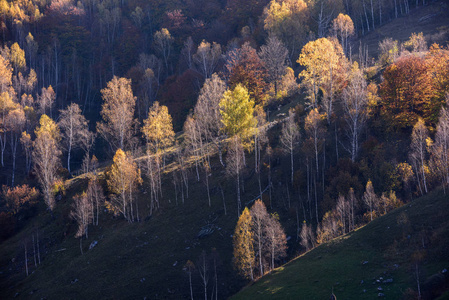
x=48, y=126
x=158, y=128
x=244, y=257
x=237, y=112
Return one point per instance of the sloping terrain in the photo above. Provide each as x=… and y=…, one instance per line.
x=431, y=20
x=381, y=258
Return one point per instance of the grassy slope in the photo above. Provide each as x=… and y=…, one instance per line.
x=429, y=20
x=125, y=254
x=137, y=260
x=383, y=243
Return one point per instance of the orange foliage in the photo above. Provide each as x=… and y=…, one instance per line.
x=245, y=67
x=19, y=197
x=408, y=93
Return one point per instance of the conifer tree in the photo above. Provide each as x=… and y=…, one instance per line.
x=244, y=258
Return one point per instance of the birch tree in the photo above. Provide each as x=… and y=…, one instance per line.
x=163, y=42
x=74, y=127
x=207, y=58
x=370, y=198
x=276, y=240
x=15, y=122
x=46, y=100
x=6, y=105
x=274, y=55
x=46, y=155
x=343, y=28
x=122, y=180
x=82, y=214
x=117, y=111
x=290, y=138
x=440, y=149
x=259, y=217
x=234, y=165
x=418, y=154
x=355, y=104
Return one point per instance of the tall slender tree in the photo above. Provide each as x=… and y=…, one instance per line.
x=74, y=127
x=290, y=138
x=46, y=155
x=117, y=111
x=418, y=153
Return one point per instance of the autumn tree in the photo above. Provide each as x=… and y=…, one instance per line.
x=276, y=240
x=416, y=43
x=418, y=154
x=274, y=55
x=307, y=237
x=237, y=113
x=117, y=111
x=193, y=141
x=355, y=105
x=353, y=204
x=243, y=255
x=5, y=75
x=46, y=155
x=207, y=111
x=437, y=59
x=158, y=128
x=407, y=93
x=343, y=28
x=324, y=69
x=163, y=42
x=328, y=228
x=187, y=52
x=17, y=58
x=122, y=180
x=260, y=140
x=207, y=57
x=159, y=134
x=96, y=198
x=234, y=165
x=440, y=148
x=388, y=51
x=74, y=127
x=370, y=198
x=46, y=100
x=27, y=146
x=288, y=21
x=290, y=138
x=6, y=105
x=20, y=197
x=244, y=67
x=342, y=209
x=82, y=214
x=259, y=217
x=315, y=131
x=15, y=122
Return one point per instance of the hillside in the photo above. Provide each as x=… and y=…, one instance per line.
x=431, y=20
x=168, y=119
x=136, y=260
x=378, y=258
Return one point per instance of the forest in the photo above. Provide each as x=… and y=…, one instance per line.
x=278, y=118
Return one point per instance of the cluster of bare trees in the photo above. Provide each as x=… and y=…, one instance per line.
x=259, y=241
x=86, y=208
x=207, y=268
x=430, y=158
